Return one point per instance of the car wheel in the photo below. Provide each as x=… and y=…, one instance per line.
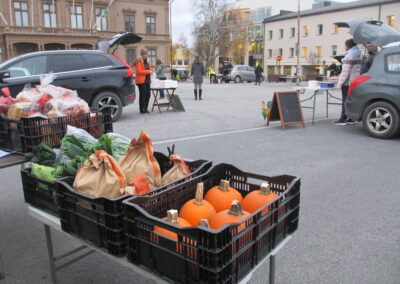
x=227, y=81
x=238, y=79
x=381, y=120
x=249, y=81
x=111, y=100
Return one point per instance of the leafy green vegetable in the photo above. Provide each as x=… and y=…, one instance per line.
x=114, y=144
x=44, y=172
x=43, y=154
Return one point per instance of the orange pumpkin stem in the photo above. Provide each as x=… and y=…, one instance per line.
x=236, y=208
x=204, y=223
x=265, y=188
x=198, y=200
x=172, y=216
x=224, y=185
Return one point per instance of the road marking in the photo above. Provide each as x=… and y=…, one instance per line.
x=227, y=132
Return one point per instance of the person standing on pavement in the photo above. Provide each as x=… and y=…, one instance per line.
x=197, y=73
x=258, y=72
x=351, y=67
x=160, y=74
x=366, y=63
x=143, y=80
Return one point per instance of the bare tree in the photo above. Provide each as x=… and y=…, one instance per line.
x=208, y=18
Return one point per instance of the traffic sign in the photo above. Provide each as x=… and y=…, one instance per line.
x=279, y=58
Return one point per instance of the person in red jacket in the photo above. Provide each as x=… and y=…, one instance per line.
x=143, y=80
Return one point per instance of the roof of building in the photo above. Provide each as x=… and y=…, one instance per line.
x=328, y=9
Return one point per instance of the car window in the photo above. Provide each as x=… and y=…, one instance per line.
x=65, y=62
x=251, y=69
x=393, y=62
x=241, y=68
x=28, y=67
x=96, y=61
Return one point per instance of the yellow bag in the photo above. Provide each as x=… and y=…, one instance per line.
x=101, y=176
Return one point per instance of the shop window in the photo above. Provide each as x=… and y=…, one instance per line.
x=49, y=15
x=21, y=14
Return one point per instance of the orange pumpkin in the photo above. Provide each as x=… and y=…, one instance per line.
x=259, y=198
x=172, y=216
x=196, y=209
x=233, y=215
x=221, y=196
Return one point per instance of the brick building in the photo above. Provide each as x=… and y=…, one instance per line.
x=36, y=25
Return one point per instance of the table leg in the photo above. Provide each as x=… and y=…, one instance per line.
x=155, y=103
x=313, y=111
x=51, y=254
x=327, y=103
x=170, y=97
x=272, y=269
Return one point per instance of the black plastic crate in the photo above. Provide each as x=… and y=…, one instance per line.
x=100, y=221
x=201, y=255
x=27, y=133
x=39, y=193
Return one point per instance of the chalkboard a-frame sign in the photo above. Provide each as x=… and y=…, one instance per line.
x=286, y=108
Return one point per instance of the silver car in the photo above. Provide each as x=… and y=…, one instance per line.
x=241, y=73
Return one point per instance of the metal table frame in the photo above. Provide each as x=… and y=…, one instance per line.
x=50, y=221
x=313, y=97
x=169, y=95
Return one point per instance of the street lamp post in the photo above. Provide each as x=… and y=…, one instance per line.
x=170, y=32
x=298, y=43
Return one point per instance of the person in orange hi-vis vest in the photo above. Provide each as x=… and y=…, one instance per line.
x=143, y=80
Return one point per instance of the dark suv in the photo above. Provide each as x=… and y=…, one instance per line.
x=99, y=78
x=374, y=97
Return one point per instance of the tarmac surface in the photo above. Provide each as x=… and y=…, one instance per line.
x=349, y=229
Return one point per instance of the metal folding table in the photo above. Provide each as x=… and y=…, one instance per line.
x=51, y=221
x=169, y=95
x=313, y=97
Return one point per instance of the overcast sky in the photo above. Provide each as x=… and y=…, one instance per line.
x=182, y=16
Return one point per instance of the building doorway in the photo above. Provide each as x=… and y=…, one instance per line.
x=24, y=47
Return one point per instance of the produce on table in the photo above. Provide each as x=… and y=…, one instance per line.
x=100, y=176
x=46, y=173
x=197, y=209
x=22, y=110
x=259, y=198
x=230, y=216
x=179, y=170
x=6, y=101
x=114, y=144
x=172, y=216
x=221, y=196
x=139, y=160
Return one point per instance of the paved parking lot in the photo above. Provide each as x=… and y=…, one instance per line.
x=349, y=229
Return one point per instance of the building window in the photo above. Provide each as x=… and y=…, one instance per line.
x=306, y=30
x=152, y=55
x=101, y=18
x=281, y=33
x=150, y=24
x=129, y=23
x=270, y=34
x=292, y=32
x=334, y=50
x=305, y=51
x=291, y=52
x=392, y=21
x=179, y=62
x=49, y=14
x=269, y=53
x=320, y=29
x=76, y=17
x=335, y=29
x=131, y=56
x=21, y=14
x=280, y=51
x=319, y=51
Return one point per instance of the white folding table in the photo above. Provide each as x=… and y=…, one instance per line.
x=317, y=91
x=50, y=221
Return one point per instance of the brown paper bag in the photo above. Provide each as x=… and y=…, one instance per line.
x=139, y=160
x=101, y=176
x=178, y=171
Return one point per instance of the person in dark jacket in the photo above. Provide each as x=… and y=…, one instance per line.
x=366, y=63
x=258, y=72
x=197, y=73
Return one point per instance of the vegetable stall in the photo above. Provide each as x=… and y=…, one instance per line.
x=169, y=218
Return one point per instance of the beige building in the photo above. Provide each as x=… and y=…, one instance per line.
x=320, y=39
x=36, y=25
